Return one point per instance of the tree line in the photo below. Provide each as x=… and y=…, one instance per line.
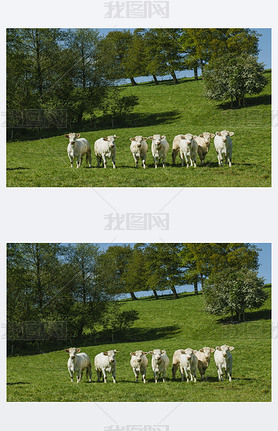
x=80, y=284
x=74, y=71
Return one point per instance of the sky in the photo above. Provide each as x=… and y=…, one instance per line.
x=264, y=268
x=264, y=52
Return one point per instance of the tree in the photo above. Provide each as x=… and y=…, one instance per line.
x=233, y=77
x=233, y=292
x=163, y=52
x=111, y=270
x=163, y=267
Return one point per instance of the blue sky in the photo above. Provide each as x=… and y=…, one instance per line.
x=264, y=262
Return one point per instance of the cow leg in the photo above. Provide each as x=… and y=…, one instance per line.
x=114, y=162
x=144, y=163
x=155, y=377
x=114, y=376
x=104, y=375
x=144, y=377
x=89, y=157
x=104, y=160
x=71, y=376
x=89, y=372
x=174, y=370
x=98, y=375
x=71, y=161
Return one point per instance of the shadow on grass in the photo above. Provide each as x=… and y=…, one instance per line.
x=18, y=383
x=19, y=168
x=103, y=123
x=249, y=101
x=249, y=316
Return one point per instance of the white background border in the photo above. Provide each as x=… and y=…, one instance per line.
x=49, y=215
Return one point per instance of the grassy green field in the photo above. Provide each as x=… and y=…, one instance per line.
x=165, y=109
x=167, y=324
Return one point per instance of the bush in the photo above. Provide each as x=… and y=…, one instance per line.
x=233, y=77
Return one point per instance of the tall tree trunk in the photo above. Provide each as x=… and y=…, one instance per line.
x=155, y=294
x=133, y=82
x=196, y=287
x=202, y=67
x=133, y=297
x=202, y=281
x=174, y=77
x=196, y=73
x=174, y=292
x=155, y=79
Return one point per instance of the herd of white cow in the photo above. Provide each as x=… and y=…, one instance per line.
x=187, y=360
x=187, y=146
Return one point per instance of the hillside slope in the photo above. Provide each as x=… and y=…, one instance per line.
x=167, y=324
x=165, y=109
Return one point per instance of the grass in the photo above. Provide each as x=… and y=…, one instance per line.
x=167, y=324
x=166, y=109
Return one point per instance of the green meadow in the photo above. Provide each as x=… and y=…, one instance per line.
x=167, y=324
x=165, y=109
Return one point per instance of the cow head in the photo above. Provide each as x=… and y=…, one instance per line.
x=207, y=351
x=72, y=137
x=138, y=354
x=111, y=355
x=224, y=134
x=72, y=351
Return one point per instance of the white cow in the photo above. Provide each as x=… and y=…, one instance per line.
x=224, y=361
x=203, y=356
x=188, y=364
x=175, y=148
x=160, y=363
x=160, y=148
x=77, y=362
x=139, y=362
x=138, y=148
x=105, y=362
x=105, y=148
x=77, y=147
x=203, y=142
x=188, y=149
x=224, y=146
x=176, y=362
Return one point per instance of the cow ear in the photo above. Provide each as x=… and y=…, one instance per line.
x=115, y=136
x=78, y=350
x=145, y=353
x=195, y=351
x=163, y=137
x=183, y=352
x=182, y=136
x=201, y=350
x=231, y=348
x=105, y=139
x=131, y=139
x=231, y=133
x=145, y=138
x=163, y=351
x=105, y=353
x=67, y=135
x=212, y=350
x=150, y=353
x=212, y=135
x=150, y=137
x=132, y=354
x=217, y=133
x=195, y=136
x=116, y=351
x=217, y=348
x=77, y=135
x=201, y=135
x=67, y=350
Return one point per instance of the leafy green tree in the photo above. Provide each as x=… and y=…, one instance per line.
x=163, y=268
x=233, y=77
x=163, y=52
x=111, y=270
x=233, y=292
